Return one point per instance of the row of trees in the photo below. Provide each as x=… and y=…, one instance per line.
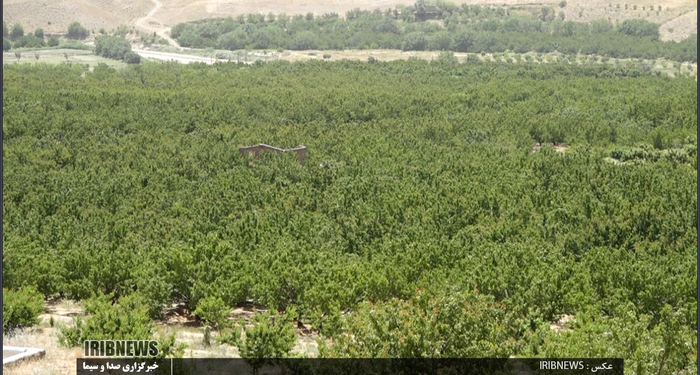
x=470, y=31
x=16, y=38
x=128, y=183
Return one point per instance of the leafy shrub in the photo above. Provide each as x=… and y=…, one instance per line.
x=669, y=345
x=132, y=58
x=440, y=41
x=6, y=45
x=117, y=48
x=77, y=31
x=233, y=40
x=271, y=336
x=214, y=311
x=447, y=57
x=53, y=41
x=17, y=31
x=304, y=40
x=112, y=47
x=74, y=44
x=127, y=319
x=658, y=141
x=639, y=28
x=450, y=325
x=20, y=309
x=415, y=41
x=122, y=31
x=29, y=41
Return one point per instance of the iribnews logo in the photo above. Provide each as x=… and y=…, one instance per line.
x=120, y=348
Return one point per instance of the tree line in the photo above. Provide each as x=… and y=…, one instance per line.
x=16, y=37
x=474, y=29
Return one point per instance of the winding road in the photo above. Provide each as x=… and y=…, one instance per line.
x=150, y=24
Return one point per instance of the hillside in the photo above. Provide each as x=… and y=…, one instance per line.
x=54, y=17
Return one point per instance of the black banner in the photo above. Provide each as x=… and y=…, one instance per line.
x=312, y=366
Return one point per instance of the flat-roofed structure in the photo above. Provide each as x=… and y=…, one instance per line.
x=12, y=354
x=257, y=149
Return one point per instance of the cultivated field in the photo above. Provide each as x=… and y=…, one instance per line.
x=533, y=204
x=58, y=56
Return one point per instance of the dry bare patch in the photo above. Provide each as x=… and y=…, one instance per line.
x=55, y=16
x=681, y=27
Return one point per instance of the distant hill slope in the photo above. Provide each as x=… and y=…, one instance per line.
x=55, y=16
x=679, y=28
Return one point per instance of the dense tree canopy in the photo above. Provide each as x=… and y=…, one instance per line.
x=462, y=29
x=419, y=175
x=115, y=47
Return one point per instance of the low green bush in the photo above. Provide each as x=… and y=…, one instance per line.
x=449, y=325
x=214, y=311
x=127, y=319
x=271, y=336
x=668, y=345
x=20, y=309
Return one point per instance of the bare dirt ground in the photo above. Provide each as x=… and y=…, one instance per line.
x=618, y=11
x=55, y=16
x=680, y=28
x=558, y=148
x=561, y=324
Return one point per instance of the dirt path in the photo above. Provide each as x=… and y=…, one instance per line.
x=150, y=24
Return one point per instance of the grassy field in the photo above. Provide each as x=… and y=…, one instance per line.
x=57, y=56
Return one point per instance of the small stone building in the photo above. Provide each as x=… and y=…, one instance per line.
x=257, y=149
